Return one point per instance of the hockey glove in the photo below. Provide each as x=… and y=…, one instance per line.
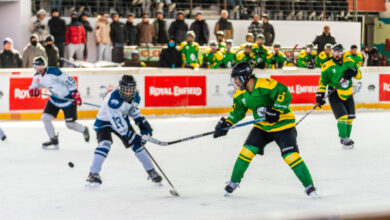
x=77, y=98
x=320, y=99
x=135, y=140
x=34, y=92
x=144, y=126
x=271, y=115
x=222, y=128
x=349, y=73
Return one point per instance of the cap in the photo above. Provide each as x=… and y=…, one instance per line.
x=229, y=42
x=180, y=13
x=8, y=40
x=260, y=36
x=220, y=33
x=160, y=12
x=74, y=13
x=41, y=12
x=213, y=43
x=49, y=38
x=190, y=33
x=249, y=35
x=328, y=46
x=277, y=45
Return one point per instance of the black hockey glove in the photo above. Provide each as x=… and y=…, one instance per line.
x=320, y=99
x=135, y=140
x=271, y=115
x=144, y=126
x=349, y=73
x=222, y=128
x=311, y=64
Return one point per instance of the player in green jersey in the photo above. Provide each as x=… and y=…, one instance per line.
x=189, y=51
x=260, y=51
x=246, y=55
x=307, y=57
x=270, y=100
x=337, y=74
x=212, y=58
x=221, y=40
x=324, y=55
x=229, y=55
x=355, y=55
x=276, y=58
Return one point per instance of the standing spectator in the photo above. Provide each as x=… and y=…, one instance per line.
x=57, y=27
x=324, y=38
x=9, y=57
x=87, y=26
x=118, y=38
x=160, y=30
x=171, y=57
x=102, y=36
x=145, y=31
x=131, y=31
x=255, y=27
x=75, y=38
x=268, y=31
x=365, y=55
x=374, y=57
x=178, y=28
x=224, y=25
x=32, y=50
x=39, y=25
x=201, y=29
x=52, y=52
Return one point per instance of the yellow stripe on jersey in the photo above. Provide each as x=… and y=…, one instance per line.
x=266, y=83
x=238, y=93
x=344, y=93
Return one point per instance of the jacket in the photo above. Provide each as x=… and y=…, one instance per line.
x=30, y=52
x=170, y=57
x=145, y=33
x=102, y=32
x=160, y=37
x=178, y=30
x=225, y=26
x=39, y=28
x=131, y=34
x=75, y=34
x=57, y=29
x=269, y=34
x=255, y=28
x=53, y=55
x=10, y=59
x=321, y=40
x=118, y=34
x=202, y=33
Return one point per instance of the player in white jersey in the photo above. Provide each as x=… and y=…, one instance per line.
x=113, y=117
x=64, y=96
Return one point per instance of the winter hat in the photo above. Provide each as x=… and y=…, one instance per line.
x=8, y=40
x=49, y=38
x=41, y=12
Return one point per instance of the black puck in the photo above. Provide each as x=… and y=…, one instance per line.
x=71, y=165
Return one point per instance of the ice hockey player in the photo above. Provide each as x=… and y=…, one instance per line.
x=212, y=58
x=270, y=100
x=355, y=55
x=221, y=40
x=337, y=74
x=246, y=55
x=229, y=55
x=2, y=135
x=249, y=39
x=64, y=96
x=276, y=58
x=189, y=51
x=113, y=117
x=307, y=57
x=324, y=55
x=260, y=51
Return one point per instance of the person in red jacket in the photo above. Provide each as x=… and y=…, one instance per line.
x=75, y=38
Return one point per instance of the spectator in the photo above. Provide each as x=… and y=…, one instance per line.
x=276, y=58
x=201, y=29
x=9, y=57
x=354, y=55
x=324, y=38
x=365, y=55
x=145, y=31
x=57, y=27
x=102, y=36
x=224, y=25
x=118, y=36
x=324, y=55
x=246, y=55
x=52, y=52
x=87, y=27
x=39, y=25
x=221, y=40
x=255, y=27
x=32, y=50
x=374, y=57
x=178, y=28
x=307, y=57
x=131, y=31
x=260, y=51
x=75, y=38
x=229, y=55
x=171, y=57
x=135, y=61
x=160, y=37
x=268, y=31
x=190, y=50
x=212, y=58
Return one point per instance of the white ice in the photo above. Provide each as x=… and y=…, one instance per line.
x=38, y=184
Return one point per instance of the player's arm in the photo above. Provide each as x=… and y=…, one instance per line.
x=34, y=87
x=140, y=121
x=323, y=83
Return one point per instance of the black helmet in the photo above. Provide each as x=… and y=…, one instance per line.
x=127, y=86
x=243, y=71
x=338, y=47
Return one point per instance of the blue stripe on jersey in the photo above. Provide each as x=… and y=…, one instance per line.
x=53, y=70
x=115, y=101
x=99, y=124
x=137, y=98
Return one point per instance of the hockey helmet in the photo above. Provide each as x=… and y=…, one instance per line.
x=127, y=88
x=242, y=71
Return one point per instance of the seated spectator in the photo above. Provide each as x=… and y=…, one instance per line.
x=276, y=59
x=39, y=26
x=229, y=55
x=32, y=50
x=248, y=39
x=260, y=52
x=178, y=28
x=160, y=37
x=171, y=57
x=134, y=61
x=201, y=29
x=102, y=37
x=246, y=55
x=145, y=31
x=365, y=55
x=355, y=55
x=374, y=57
x=324, y=55
x=212, y=58
x=131, y=31
x=255, y=27
x=52, y=52
x=307, y=57
x=190, y=50
x=224, y=25
x=221, y=40
x=9, y=57
x=75, y=38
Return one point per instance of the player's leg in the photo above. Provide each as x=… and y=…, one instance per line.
x=350, y=106
x=70, y=121
x=287, y=142
x=341, y=114
x=49, y=113
x=2, y=135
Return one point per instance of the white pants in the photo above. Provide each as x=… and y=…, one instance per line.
x=104, y=52
x=77, y=49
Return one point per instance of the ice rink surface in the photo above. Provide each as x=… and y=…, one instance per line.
x=38, y=184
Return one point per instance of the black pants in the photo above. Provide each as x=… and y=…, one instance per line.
x=70, y=112
x=61, y=51
x=341, y=107
x=104, y=134
x=117, y=54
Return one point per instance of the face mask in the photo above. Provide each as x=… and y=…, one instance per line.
x=171, y=44
x=34, y=43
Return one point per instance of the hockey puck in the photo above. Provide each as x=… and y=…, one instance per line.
x=71, y=165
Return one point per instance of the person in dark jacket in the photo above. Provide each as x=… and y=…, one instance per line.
x=131, y=31
x=57, y=28
x=374, y=58
x=201, y=29
x=9, y=57
x=178, y=28
x=87, y=26
x=324, y=38
x=160, y=36
x=75, y=38
x=268, y=31
x=171, y=57
x=53, y=56
x=224, y=25
x=118, y=38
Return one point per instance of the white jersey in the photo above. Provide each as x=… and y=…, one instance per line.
x=60, y=85
x=115, y=113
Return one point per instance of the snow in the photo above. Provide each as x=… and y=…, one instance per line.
x=38, y=184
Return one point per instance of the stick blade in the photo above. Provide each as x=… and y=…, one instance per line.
x=174, y=193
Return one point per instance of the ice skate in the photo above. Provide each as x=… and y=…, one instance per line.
x=53, y=142
x=93, y=181
x=311, y=191
x=154, y=176
x=230, y=187
x=86, y=134
x=347, y=143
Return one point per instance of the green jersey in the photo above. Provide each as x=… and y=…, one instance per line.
x=212, y=60
x=304, y=58
x=221, y=45
x=322, y=58
x=332, y=75
x=189, y=52
x=228, y=58
x=260, y=52
x=275, y=61
x=358, y=58
x=243, y=57
x=266, y=93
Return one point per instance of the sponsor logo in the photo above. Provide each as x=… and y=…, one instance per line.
x=384, y=87
x=175, y=91
x=287, y=148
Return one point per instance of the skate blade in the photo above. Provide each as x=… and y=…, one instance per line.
x=55, y=147
x=174, y=193
x=92, y=186
x=227, y=194
x=159, y=184
x=314, y=195
x=350, y=147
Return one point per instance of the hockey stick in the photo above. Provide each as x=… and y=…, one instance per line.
x=163, y=143
x=72, y=100
x=68, y=62
x=172, y=191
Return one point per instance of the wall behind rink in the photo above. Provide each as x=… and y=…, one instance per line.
x=181, y=91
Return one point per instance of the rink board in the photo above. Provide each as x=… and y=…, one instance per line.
x=181, y=91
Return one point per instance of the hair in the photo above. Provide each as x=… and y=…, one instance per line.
x=353, y=47
x=224, y=11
